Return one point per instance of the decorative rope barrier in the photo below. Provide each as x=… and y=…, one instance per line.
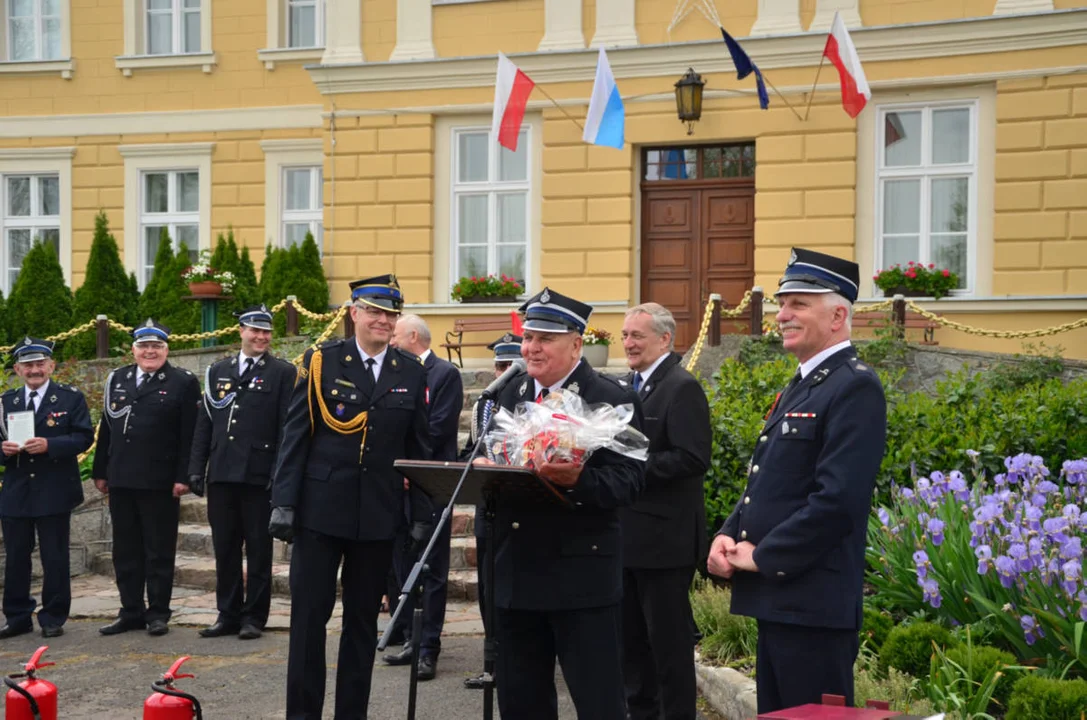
x=702, y=334
x=1005, y=334
x=337, y=316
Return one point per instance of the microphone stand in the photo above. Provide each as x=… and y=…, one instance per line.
x=413, y=586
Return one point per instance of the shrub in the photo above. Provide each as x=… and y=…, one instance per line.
x=40, y=304
x=726, y=638
x=979, y=661
x=486, y=286
x=163, y=297
x=106, y=290
x=902, y=691
x=294, y=271
x=875, y=628
x=243, y=292
x=1037, y=698
x=3, y=319
x=909, y=648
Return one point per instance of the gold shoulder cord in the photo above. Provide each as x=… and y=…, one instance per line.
x=343, y=428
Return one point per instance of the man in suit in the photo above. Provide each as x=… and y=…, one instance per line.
x=237, y=435
x=445, y=400
x=357, y=406
x=559, y=578
x=794, y=545
x=664, y=533
x=506, y=349
x=41, y=488
x=141, y=460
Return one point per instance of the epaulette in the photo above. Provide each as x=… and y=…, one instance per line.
x=409, y=356
x=857, y=365
x=329, y=344
x=613, y=380
x=189, y=373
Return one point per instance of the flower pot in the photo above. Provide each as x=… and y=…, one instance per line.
x=205, y=287
x=595, y=355
x=904, y=292
x=489, y=299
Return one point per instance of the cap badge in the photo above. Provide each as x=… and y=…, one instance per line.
x=27, y=341
x=545, y=297
x=507, y=338
x=149, y=323
x=392, y=280
x=521, y=390
x=792, y=258
x=574, y=388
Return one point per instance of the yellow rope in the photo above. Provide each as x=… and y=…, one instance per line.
x=322, y=337
x=701, y=335
x=738, y=310
x=1005, y=334
x=343, y=428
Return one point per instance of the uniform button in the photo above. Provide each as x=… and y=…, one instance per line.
x=793, y=431
x=762, y=439
x=595, y=548
x=743, y=535
x=754, y=469
x=747, y=501
x=515, y=525
x=781, y=574
x=31, y=459
x=31, y=474
x=233, y=421
x=231, y=438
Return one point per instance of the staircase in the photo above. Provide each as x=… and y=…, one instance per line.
x=195, y=564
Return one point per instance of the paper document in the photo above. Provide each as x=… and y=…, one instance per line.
x=20, y=426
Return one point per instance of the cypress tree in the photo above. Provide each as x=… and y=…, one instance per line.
x=41, y=303
x=106, y=289
x=247, y=278
x=150, y=300
x=3, y=319
x=176, y=313
x=312, y=287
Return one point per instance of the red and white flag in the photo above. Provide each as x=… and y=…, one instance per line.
x=511, y=90
x=843, y=55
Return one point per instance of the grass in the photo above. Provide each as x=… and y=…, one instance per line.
x=727, y=640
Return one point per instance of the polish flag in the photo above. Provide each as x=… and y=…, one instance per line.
x=511, y=90
x=843, y=55
x=515, y=323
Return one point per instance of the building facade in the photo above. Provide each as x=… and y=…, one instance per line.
x=366, y=122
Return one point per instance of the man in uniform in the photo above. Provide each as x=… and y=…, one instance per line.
x=237, y=435
x=357, y=406
x=41, y=488
x=559, y=578
x=445, y=400
x=794, y=545
x=506, y=349
x=664, y=533
x=141, y=460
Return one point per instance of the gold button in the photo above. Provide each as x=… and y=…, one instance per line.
x=516, y=525
x=743, y=535
x=762, y=439
x=754, y=469
x=747, y=501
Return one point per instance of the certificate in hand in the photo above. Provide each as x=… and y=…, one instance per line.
x=20, y=426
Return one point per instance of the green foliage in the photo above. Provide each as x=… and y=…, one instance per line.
x=486, y=286
x=3, y=319
x=163, y=297
x=909, y=647
x=1038, y=365
x=886, y=349
x=106, y=290
x=727, y=639
x=979, y=663
x=903, y=692
x=40, y=304
x=933, y=281
x=293, y=271
x=244, y=293
x=875, y=628
x=1037, y=698
x=759, y=349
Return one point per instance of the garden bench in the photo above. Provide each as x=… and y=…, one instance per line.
x=914, y=321
x=454, y=340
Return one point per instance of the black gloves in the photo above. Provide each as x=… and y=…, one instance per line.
x=281, y=524
x=196, y=484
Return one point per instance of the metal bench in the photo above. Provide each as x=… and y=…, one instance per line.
x=454, y=339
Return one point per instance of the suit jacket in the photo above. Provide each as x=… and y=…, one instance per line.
x=47, y=484
x=236, y=441
x=550, y=557
x=808, y=496
x=344, y=485
x=666, y=527
x=445, y=395
x=145, y=434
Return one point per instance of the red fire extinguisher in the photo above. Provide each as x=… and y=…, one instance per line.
x=167, y=702
x=34, y=698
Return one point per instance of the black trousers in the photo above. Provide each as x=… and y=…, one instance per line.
x=796, y=664
x=586, y=643
x=314, y=562
x=435, y=592
x=658, y=644
x=482, y=574
x=238, y=514
x=53, y=532
x=144, y=550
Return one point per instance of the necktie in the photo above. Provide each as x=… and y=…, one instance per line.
x=370, y=382
x=248, y=366
x=141, y=379
x=637, y=381
x=34, y=400
x=791, y=386
x=543, y=393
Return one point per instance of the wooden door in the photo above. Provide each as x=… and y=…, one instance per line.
x=672, y=257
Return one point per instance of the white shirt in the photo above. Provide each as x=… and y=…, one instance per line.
x=242, y=357
x=378, y=359
x=39, y=397
x=807, y=367
x=648, y=372
x=424, y=356
x=556, y=386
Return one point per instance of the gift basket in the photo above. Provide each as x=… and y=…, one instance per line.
x=562, y=428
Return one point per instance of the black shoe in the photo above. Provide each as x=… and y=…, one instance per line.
x=157, y=628
x=401, y=658
x=475, y=683
x=219, y=629
x=52, y=631
x=121, y=625
x=9, y=632
x=249, y=632
x=428, y=668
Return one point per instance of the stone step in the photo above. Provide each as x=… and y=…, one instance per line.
x=77, y=562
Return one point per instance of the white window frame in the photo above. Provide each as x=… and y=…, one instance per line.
x=61, y=64
x=136, y=55
x=314, y=216
x=492, y=188
x=34, y=223
x=320, y=28
x=164, y=157
x=277, y=43
x=37, y=162
x=280, y=155
x=177, y=13
x=39, y=20
x=170, y=219
x=926, y=172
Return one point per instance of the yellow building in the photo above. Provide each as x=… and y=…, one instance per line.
x=366, y=122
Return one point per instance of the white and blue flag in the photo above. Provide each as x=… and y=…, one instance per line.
x=605, y=122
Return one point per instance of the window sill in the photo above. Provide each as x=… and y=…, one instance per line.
x=271, y=56
x=62, y=67
x=127, y=63
x=456, y=308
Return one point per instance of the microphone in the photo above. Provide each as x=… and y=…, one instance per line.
x=502, y=380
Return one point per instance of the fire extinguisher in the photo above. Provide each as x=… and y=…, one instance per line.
x=34, y=698
x=167, y=702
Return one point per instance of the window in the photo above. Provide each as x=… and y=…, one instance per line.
x=700, y=163
x=31, y=214
x=305, y=23
x=173, y=27
x=490, y=205
x=926, y=203
x=170, y=202
x=34, y=30
x=302, y=206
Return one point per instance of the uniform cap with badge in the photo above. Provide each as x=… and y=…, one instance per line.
x=506, y=348
x=255, y=316
x=550, y=311
x=32, y=350
x=382, y=292
x=809, y=271
x=150, y=331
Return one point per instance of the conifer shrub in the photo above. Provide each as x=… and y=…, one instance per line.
x=909, y=647
x=980, y=661
x=3, y=319
x=1040, y=698
x=244, y=294
x=875, y=628
x=106, y=290
x=41, y=303
x=163, y=298
x=294, y=271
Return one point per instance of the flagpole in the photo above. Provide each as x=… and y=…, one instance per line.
x=787, y=103
x=811, y=95
x=560, y=107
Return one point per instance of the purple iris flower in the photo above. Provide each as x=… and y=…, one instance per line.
x=1005, y=567
x=1074, y=471
x=920, y=559
x=1082, y=597
x=1031, y=630
x=1072, y=513
x=1072, y=570
x=1047, y=487
x=1000, y=479
x=936, y=531
x=931, y=592
x=1072, y=549
x=1035, y=548
x=973, y=455
x=984, y=555
x=922, y=518
x=1018, y=552
x=884, y=516
x=907, y=494
x=959, y=487
x=1034, y=518
x=1054, y=529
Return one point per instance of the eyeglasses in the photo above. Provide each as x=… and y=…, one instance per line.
x=502, y=366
